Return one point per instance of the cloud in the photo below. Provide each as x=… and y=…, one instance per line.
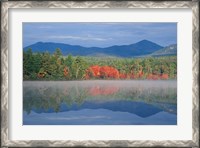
x=79, y=38
x=101, y=34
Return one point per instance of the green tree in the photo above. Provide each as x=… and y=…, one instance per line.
x=58, y=52
x=78, y=68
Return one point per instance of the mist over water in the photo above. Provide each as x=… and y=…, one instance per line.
x=100, y=102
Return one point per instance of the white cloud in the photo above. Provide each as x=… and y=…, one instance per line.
x=79, y=38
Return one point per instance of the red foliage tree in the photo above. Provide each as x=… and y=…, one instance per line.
x=153, y=77
x=164, y=76
x=104, y=72
x=140, y=74
x=93, y=71
x=109, y=72
x=122, y=76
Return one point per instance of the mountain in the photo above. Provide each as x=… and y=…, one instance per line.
x=169, y=50
x=143, y=47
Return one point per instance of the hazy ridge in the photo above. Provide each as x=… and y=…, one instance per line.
x=143, y=47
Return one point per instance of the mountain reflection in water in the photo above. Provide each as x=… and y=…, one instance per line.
x=100, y=102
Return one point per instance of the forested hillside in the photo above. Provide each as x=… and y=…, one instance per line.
x=46, y=66
x=169, y=50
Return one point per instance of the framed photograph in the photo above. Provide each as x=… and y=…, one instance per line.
x=99, y=73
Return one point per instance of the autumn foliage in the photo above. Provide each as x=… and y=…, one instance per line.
x=102, y=72
x=37, y=66
x=93, y=71
x=65, y=71
x=109, y=72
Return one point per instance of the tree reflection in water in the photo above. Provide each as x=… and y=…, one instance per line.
x=51, y=96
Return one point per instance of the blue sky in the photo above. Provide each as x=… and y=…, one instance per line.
x=99, y=34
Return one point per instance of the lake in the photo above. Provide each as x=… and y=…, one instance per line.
x=100, y=102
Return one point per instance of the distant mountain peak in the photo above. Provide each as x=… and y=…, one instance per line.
x=146, y=42
x=39, y=43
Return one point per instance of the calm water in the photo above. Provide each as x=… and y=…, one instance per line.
x=100, y=102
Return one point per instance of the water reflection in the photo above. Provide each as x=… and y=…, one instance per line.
x=107, y=99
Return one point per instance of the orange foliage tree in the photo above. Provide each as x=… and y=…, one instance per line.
x=109, y=72
x=65, y=71
x=102, y=72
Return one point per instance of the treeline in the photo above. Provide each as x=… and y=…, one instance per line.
x=43, y=66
